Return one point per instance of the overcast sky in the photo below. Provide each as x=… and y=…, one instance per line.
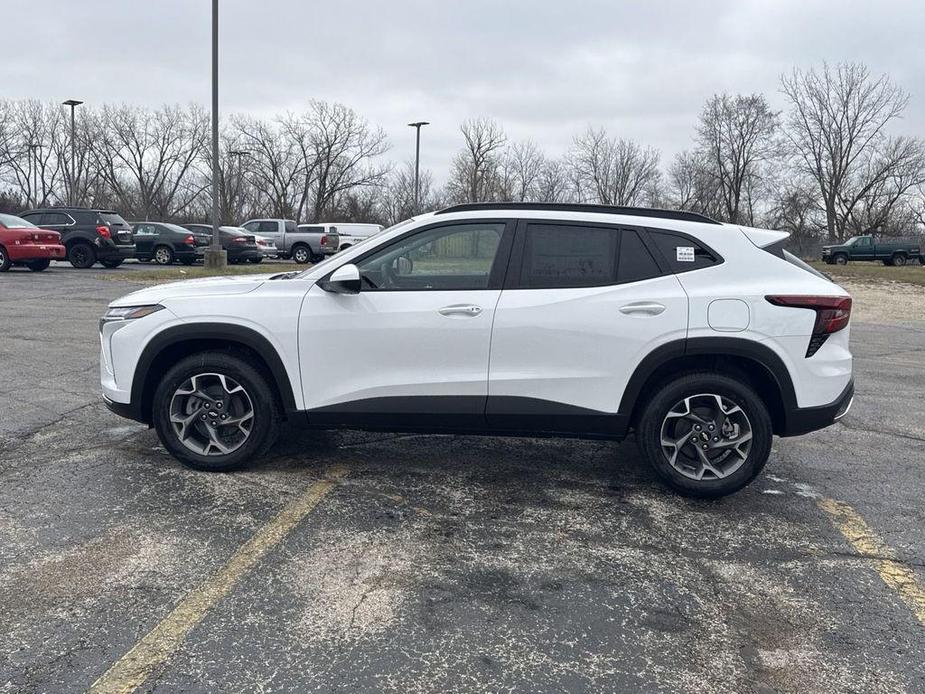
x=545, y=69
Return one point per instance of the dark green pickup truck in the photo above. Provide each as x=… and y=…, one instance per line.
x=895, y=252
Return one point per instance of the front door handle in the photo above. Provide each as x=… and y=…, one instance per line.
x=645, y=308
x=460, y=310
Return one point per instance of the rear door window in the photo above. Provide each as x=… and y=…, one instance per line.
x=563, y=255
x=58, y=219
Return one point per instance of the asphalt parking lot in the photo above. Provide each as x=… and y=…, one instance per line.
x=369, y=562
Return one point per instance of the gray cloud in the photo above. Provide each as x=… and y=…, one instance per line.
x=544, y=69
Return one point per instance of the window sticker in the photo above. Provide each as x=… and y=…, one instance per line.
x=685, y=254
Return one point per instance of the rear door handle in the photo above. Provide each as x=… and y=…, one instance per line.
x=460, y=310
x=645, y=308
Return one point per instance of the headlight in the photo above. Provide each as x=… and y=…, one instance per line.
x=125, y=313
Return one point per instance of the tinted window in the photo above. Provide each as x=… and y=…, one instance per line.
x=568, y=256
x=113, y=219
x=85, y=217
x=34, y=217
x=310, y=230
x=266, y=226
x=681, y=253
x=636, y=263
x=55, y=218
x=450, y=257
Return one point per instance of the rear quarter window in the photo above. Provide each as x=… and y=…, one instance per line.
x=682, y=253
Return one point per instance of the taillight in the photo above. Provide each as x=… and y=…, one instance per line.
x=190, y=240
x=239, y=239
x=324, y=239
x=832, y=314
x=103, y=231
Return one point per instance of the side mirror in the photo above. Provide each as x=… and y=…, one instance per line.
x=344, y=280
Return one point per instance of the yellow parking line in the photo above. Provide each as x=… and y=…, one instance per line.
x=131, y=670
x=895, y=574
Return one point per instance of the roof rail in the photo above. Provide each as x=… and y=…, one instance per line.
x=680, y=215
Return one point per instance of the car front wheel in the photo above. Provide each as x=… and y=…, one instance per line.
x=705, y=434
x=213, y=411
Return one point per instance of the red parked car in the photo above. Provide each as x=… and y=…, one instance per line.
x=23, y=243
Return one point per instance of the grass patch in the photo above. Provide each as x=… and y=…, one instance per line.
x=172, y=274
x=914, y=273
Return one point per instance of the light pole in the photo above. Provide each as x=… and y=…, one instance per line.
x=73, y=103
x=417, y=160
x=34, y=165
x=215, y=256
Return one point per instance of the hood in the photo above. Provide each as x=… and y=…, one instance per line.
x=207, y=286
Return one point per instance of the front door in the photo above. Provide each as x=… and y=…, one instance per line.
x=411, y=349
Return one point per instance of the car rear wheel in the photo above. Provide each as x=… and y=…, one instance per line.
x=38, y=265
x=111, y=263
x=4, y=260
x=898, y=259
x=81, y=255
x=302, y=255
x=163, y=255
x=705, y=434
x=213, y=411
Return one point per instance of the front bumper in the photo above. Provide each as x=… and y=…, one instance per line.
x=802, y=420
x=125, y=410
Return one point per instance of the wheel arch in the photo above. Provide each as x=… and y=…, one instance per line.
x=175, y=343
x=757, y=364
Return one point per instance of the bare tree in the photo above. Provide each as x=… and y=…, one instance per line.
x=275, y=167
x=552, y=182
x=521, y=165
x=474, y=176
x=736, y=136
x=396, y=197
x=836, y=126
x=613, y=172
x=147, y=158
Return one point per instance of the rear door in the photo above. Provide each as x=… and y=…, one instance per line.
x=145, y=235
x=582, y=305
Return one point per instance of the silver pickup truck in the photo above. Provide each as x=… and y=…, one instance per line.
x=304, y=243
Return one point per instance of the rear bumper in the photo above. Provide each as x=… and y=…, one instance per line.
x=111, y=250
x=20, y=253
x=802, y=420
x=244, y=255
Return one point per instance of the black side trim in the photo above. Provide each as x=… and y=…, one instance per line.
x=802, y=420
x=512, y=413
x=128, y=411
x=226, y=333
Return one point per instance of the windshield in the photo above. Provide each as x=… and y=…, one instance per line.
x=13, y=222
x=853, y=240
x=359, y=244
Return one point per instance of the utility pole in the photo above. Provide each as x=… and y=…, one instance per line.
x=417, y=161
x=34, y=165
x=215, y=257
x=71, y=198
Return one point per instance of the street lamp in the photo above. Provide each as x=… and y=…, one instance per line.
x=215, y=256
x=73, y=103
x=34, y=165
x=417, y=159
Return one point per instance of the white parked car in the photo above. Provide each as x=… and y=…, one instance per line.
x=350, y=234
x=553, y=320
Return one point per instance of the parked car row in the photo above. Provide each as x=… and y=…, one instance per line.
x=86, y=236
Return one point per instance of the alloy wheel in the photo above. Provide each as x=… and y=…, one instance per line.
x=706, y=436
x=211, y=414
x=162, y=256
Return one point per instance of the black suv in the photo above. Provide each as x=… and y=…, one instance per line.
x=89, y=235
x=164, y=243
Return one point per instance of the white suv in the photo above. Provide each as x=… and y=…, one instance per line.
x=503, y=319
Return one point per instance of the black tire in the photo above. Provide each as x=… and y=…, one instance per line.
x=255, y=261
x=266, y=417
x=187, y=261
x=4, y=260
x=840, y=259
x=922, y=260
x=164, y=255
x=112, y=263
x=302, y=254
x=674, y=392
x=81, y=255
x=898, y=259
x=38, y=265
